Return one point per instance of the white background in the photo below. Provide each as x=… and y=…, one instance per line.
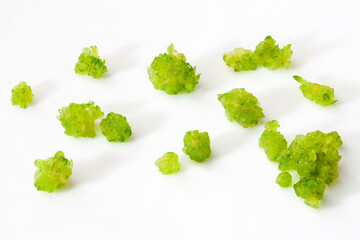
x=115, y=191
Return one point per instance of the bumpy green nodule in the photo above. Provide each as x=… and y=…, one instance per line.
x=115, y=128
x=171, y=73
x=320, y=94
x=168, y=163
x=78, y=120
x=272, y=141
x=90, y=63
x=241, y=59
x=52, y=173
x=284, y=179
x=197, y=145
x=310, y=189
x=21, y=95
x=242, y=107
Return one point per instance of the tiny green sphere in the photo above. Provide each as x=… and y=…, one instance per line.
x=284, y=179
x=197, y=145
x=242, y=107
x=240, y=59
x=52, y=173
x=115, y=127
x=21, y=95
x=168, y=163
x=272, y=141
x=90, y=63
x=311, y=190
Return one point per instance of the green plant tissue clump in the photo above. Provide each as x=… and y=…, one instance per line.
x=310, y=189
x=284, y=179
x=171, y=73
x=320, y=94
x=21, y=95
x=197, y=145
x=52, y=173
x=242, y=107
x=241, y=59
x=90, y=63
x=168, y=163
x=272, y=141
x=115, y=128
x=79, y=119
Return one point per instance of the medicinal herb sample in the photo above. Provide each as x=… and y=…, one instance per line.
x=90, y=63
x=21, y=95
x=168, y=163
x=115, y=127
x=197, y=145
x=241, y=59
x=272, y=141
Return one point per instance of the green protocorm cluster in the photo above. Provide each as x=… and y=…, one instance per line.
x=21, y=95
x=171, y=73
x=242, y=107
x=115, y=127
x=90, y=63
x=320, y=94
x=272, y=141
x=168, y=163
x=79, y=119
x=284, y=179
x=52, y=173
x=197, y=145
x=266, y=54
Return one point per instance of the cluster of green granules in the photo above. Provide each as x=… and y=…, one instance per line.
x=197, y=145
x=52, y=173
x=266, y=54
x=242, y=107
x=115, y=127
x=320, y=94
x=168, y=163
x=314, y=156
x=21, y=95
x=90, y=63
x=171, y=73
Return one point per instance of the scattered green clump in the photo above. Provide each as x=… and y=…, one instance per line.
x=115, y=128
x=90, y=63
x=168, y=163
x=284, y=179
x=242, y=107
x=171, y=73
x=310, y=189
x=79, y=119
x=21, y=95
x=197, y=145
x=272, y=141
x=52, y=173
x=241, y=59
x=320, y=94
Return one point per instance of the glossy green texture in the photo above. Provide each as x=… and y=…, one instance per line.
x=320, y=94
x=21, y=95
x=240, y=59
x=311, y=190
x=271, y=56
x=90, y=63
x=115, y=128
x=197, y=145
x=242, y=107
x=168, y=163
x=284, y=179
x=272, y=141
x=79, y=119
x=171, y=73
x=52, y=173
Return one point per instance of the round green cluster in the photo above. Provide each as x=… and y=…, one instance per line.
x=90, y=63
x=52, y=173
x=21, y=95
x=242, y=107
x=171, y=73
x=79, y=119
x=241, y=59
x=284, y=179
x=115, y=128
x=272, y=141
x=168, y=163
x=197, y=145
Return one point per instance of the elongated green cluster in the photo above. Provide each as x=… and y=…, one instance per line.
x=284, y=179
x=168, y=163
x=79, y=119
x=242, y=107
x=90, y=63
x=320, y=94
x=52, y=173
x=21, y=95
x=171, y=73
x=272, y=141
x=115, y=127
x=197, y=145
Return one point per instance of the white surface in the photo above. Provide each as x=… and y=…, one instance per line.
x=115, y=191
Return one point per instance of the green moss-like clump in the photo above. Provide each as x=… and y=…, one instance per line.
x=272, y=141
x=52, y=173
x=115, y=128
x=168, y=163
x=197, y=145
x=320, y=94
x=310, y=189
x=284, y=179
x=242, y=107
x=21, y=95
x=171, y=73
x=90, y=63
x=241, y=59
x=79, y=119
